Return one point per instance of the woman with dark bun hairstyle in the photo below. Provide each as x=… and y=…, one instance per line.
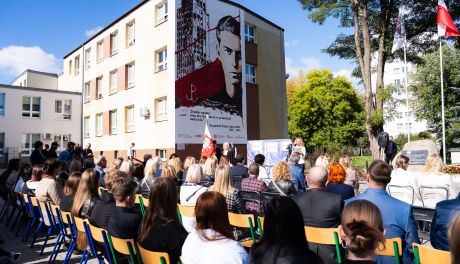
x=361, y=231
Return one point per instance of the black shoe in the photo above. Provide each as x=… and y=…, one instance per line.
x=15, y=255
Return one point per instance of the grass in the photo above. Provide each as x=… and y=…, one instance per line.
x=359, y=162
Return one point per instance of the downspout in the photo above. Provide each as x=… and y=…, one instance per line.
x=83, y=61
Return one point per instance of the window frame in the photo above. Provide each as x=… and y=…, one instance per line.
x=161, y=116
x=114, y=40
x=31, y=111
x=113, y=81
x=247, y=36
x=86, y=127
x=161, y=65
x=100, y=51
x=62, y=113
x=129, y=126
x=2, y=106
x=161, y=12
x=32, y=137
x=99, y=128
x=130, y=37
x=2, y=144
x=132, y=83
x=87, y=92
x=251, y=78
x=99, y=85
x=113, y=127
x=88, y=58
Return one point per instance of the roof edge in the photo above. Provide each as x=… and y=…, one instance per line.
x=37, y=89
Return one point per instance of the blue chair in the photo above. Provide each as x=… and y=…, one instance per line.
x=32, y=218
x=68, y=220
x=93, y=235
x=64, y=232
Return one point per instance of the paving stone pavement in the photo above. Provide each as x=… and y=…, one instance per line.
x=32, y=256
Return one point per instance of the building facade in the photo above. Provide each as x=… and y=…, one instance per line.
x=29, y=114
x=127, y=75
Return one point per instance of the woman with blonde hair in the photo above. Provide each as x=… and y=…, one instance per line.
x=401, y=177
x=189, y=160
x=87, y=194
x=223, y=184
x=117, y=163
x=281, y=180
x=190, y=191
x=170, y=173
x=150, y=174
x=352, y=178
x=176, y=164
x=209, y=168
x=128, y=167
x=361, y=231
x=299, y=147
x=454, y=239
x=433, y=176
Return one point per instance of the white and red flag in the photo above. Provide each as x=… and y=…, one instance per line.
x=208, y=149
x=399, y=40
x=446, y=26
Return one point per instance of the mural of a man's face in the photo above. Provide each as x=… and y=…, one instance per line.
x=229, y=52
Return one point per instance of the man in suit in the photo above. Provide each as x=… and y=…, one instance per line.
x=320, y=209
x=397, y=216
x=239, y=170
x=443, y=214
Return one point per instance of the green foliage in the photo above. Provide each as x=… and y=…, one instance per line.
x=376, y=118
x=401, y=139
x=426, y=89
x=325, y=111
x=359, y=162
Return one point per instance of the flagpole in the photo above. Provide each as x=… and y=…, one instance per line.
x=407, y=95
x=442, y=104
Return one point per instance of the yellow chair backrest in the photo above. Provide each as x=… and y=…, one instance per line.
x=96, y=233
x=323, y=236
x=120, y=245
x=101, y=190
x=64, y=217
x=79, y=223
x=388, y=250
x=428, y=255
x=240, y=220
x=186, y=210
x=145, y=201
x=261, y=220
x=26, y=199
x=136, y=200
x=151, y=257
x=33, y=200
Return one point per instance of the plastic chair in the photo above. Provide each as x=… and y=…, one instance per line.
x=183, y=210
x=36, y=207
x=23, y=213
x=324, y=236
x=266, y=197
x=126, y=247
x=80, y=226
x=64, y=232
x=260, y=225
x=393, y=248
x=31, y=218
x=68, y=221
x=432, y=195
x=237, y=182
x=403, y=193
x=140, y=201
x=426, y=255
x=243, y=221
x=99, y=235
x=151, y=257
x=92, y=251
x=48, y=220
x=253, y=197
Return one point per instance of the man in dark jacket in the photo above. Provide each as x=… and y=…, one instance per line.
x=37, y=156
x=390, y=150
x=444, y=213
x=320, y=209
x=52, y=154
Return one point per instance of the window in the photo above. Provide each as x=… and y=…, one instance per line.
x=31, y=106
x=25, y=82
x=161, y=153
x=160, y=109
x=99, y=87
x=114, y=43
x=2, y=144
x=2, y=104
x=397, y=82
x=162, y=57
x=77, y=65
x=99, y=125
x=130, y=72
x=70, y=67
x=400, y=126
x=63, y=109
x=113, y=82
x=396, y=70
x=88, y=58
x=162, y=12
x=100, y=51
x=113, y=122
x=131, y=33
x=28, y=141
x=249, y=33
x=87, y=92
x=250, y=73
x=86, y=127
x=129, y=113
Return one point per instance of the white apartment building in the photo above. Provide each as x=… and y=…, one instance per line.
x=30, y=111
x=127, y=75
x=395, y=74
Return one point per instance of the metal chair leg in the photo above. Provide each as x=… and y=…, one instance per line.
x=36, y=234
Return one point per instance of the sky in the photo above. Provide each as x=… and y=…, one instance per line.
x=37, y=34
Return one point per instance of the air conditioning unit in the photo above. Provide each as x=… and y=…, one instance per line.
x=144, y=111
x=47, y=136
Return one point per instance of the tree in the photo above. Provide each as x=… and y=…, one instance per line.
x=370, y=44
x=426, y=89
x=325, y=111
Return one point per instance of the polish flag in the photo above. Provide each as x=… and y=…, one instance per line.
x=208, y=149
x=446, y=26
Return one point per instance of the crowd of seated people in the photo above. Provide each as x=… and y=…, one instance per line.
x=325, y=198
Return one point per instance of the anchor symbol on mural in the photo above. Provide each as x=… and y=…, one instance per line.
x=189, y=96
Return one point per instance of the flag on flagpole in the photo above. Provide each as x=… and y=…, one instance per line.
x=446, y=26
x=208, y=149
x=399, y=40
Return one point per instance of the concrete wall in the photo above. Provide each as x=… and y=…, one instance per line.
x=36, y=79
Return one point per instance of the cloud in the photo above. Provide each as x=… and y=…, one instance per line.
x=89, y=33
x=347, y=73
x=291, y=43
x=305, y=64
x=16, y=59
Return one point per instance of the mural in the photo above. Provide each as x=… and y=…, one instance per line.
x=209, y=76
